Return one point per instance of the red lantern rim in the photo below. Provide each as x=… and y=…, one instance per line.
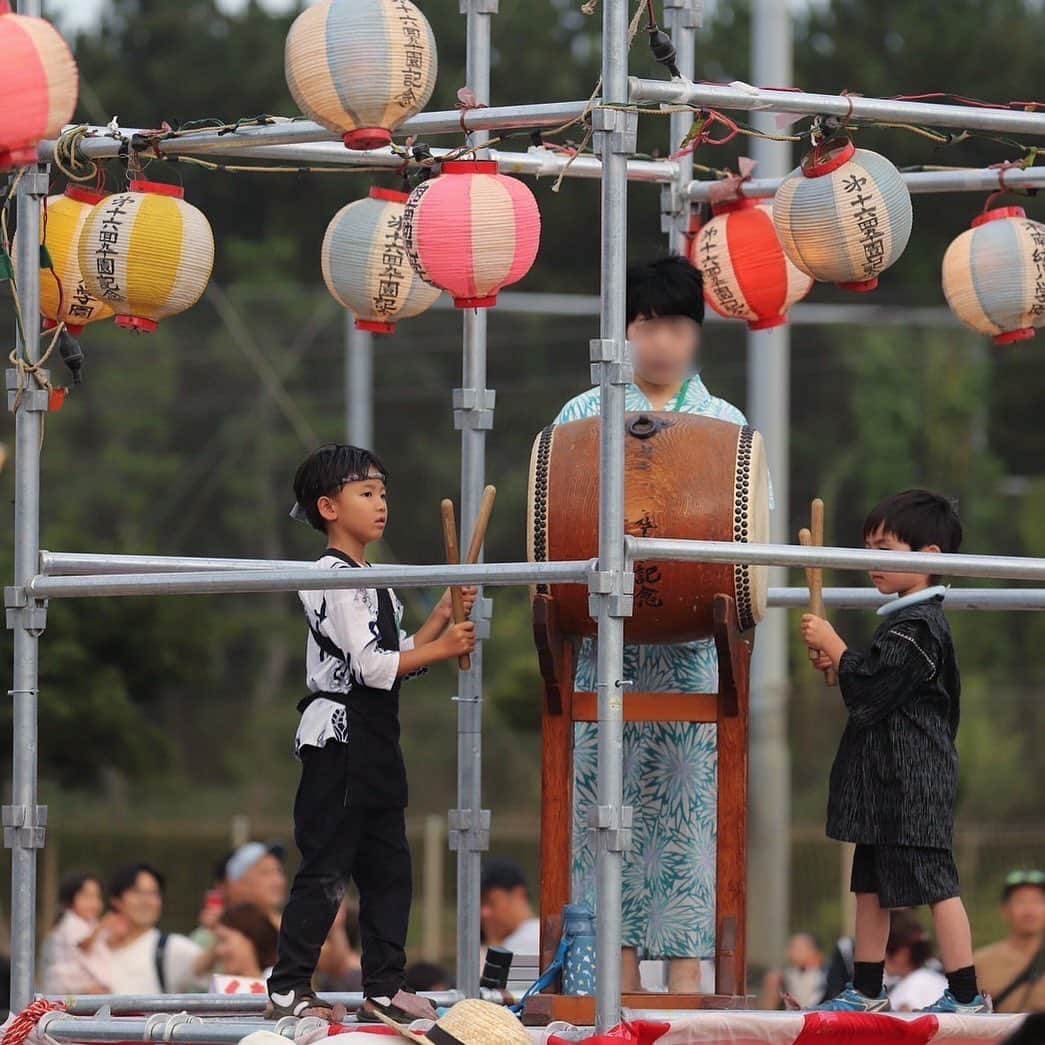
x=997, y=214
x=139, y=324
x=84, y=195
x=861, y=286
x=375, y=326
x=366, y=139
x=1010, y=336
x=158, y=188
x=836, y=153
x=484, y=302
x=470, y=167
x=390, y=195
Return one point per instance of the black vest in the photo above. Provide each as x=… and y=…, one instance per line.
x=375, y=771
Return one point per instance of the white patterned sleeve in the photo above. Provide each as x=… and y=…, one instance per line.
x=352, y=620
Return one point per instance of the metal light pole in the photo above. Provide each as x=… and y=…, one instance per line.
x=359, y=384
x=768, y=392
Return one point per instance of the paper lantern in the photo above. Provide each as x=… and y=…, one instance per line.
x=746, y=273
x=75, y=306
x=994, y=275
x=844, y=216
x=366, y=267
x=361, y=67
x=38, y=85
x=472, y=231
x=146, y=253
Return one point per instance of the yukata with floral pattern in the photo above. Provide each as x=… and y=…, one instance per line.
x=670, y=768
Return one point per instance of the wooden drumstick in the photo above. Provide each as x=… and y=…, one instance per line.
x=453, y=558
x=815, y=575
x=481, y=522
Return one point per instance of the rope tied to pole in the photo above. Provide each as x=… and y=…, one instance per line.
x=24, y=1024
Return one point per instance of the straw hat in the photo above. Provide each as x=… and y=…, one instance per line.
x=470, y=1022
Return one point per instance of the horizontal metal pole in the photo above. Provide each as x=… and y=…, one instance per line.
x=66, y=564
x=1007, y=599
x=61, y=1027
x=974, y=179
x=850, y=106
x=308, y=578
x=998, y=567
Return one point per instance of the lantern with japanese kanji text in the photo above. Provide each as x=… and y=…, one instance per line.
x=746, y=273
x=994, y=275
x=844, y=216
x=365, y=264
x=361, y=67
x=472, y=231
x=146, y=253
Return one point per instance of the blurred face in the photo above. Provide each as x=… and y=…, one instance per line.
x=1024, y=911
x=359, y=510
x=896, y=583
x=142, y=904
x=264, y=885
x=803, y=953
x=502, y=912
x=664, y=350
x=89, y=903
x=235, y=952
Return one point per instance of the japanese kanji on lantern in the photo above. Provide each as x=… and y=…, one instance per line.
x=844, y=216
x=64, y=297
x=746, y=273
x=146, y=253
x=994, y=275
x=38, y=85
x=361, y=67
x=366, y=267
x=472, y=231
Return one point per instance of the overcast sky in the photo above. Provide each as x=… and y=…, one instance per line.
x=75, y=14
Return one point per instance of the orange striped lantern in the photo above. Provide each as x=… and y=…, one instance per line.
x=472, y=231
x=361, y=67
x=74, y=305
x=844, y=216
x=746, y=273
x=994, y=275
x=147, y=254
x=38, y=85
x=365, y=264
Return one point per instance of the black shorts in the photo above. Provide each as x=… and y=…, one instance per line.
x=904, y=875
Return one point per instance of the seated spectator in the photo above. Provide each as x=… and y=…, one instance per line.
x=245, y=942
x=914, y=984
x=427, y=976
x=76, y=957
x=1013, y=970
x=144, y=959
x=803, y=979
x=507, y=918
x=254, y=874
x=339, y=969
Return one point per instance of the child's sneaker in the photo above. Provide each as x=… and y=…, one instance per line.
x=948, y=1003
x=404, y=1008
x=851, y=1000
x=301, y=1004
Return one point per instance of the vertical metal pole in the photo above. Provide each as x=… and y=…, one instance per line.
x=359, y=384
x=473, y=415
x=611, y=585
x=682, y=18
x=769, y=378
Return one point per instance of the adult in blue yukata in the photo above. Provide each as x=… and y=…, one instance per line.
x=670, y=768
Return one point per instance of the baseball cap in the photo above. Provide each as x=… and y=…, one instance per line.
x=246, y=856
x=1017, y=879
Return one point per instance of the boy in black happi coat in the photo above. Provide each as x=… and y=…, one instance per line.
x=895, y=777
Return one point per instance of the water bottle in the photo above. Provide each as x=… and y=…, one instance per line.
x=578, y=969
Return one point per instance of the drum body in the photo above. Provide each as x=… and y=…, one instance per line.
x=686, y=476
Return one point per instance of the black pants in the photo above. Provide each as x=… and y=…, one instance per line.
x=338, y=843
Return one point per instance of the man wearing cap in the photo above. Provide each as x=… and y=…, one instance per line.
x=254, y=874
x=1013, y=971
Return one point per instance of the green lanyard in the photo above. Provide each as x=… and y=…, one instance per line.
x=680, y=398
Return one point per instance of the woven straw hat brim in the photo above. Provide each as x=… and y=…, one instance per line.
x=406, y=1032
x=472, y=1022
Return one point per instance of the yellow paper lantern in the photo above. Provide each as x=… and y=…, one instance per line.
x=147, y=254
x=366, y=266
x=994, y=275
x=67, y=299
x=361, y=67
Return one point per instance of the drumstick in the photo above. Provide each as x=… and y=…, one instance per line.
x=815, y=575
x=481, y=522
x=453, y=558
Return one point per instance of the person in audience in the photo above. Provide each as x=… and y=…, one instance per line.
x=76, y=957
x=144, y=959
x=1013, y=970
x=213, y=905
x=340, y=966
x=507, y=918
x=803, y=978
x=254, y=874
x=245, y=942
x=911, y=980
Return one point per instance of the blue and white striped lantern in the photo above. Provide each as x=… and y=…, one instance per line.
x=994, y=275
x=366, y=266
x=844, y=216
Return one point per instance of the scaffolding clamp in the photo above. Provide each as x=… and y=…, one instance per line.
x=482, y=614
x=613, y=825
x=469, y=833
x=684, y=14
x=616, y=587
x=35, y=180
x=24, y=611
x=480, y=7
x=25, y=827
x=30, y=397
x=616, y=131
x=604, y=353
x=473, y=408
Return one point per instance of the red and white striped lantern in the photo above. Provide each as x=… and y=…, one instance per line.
x=472, y=231
x=746, y=273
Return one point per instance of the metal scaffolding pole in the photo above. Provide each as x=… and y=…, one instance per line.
x=768, y=405
x=682, y=18
x=473, y=403
x=996, y=599
x=359, y=384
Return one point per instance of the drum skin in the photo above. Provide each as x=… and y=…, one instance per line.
x=686, y=476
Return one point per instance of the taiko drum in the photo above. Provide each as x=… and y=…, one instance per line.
x=686, y=477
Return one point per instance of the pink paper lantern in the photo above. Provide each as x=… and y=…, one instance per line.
x=472, y=231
